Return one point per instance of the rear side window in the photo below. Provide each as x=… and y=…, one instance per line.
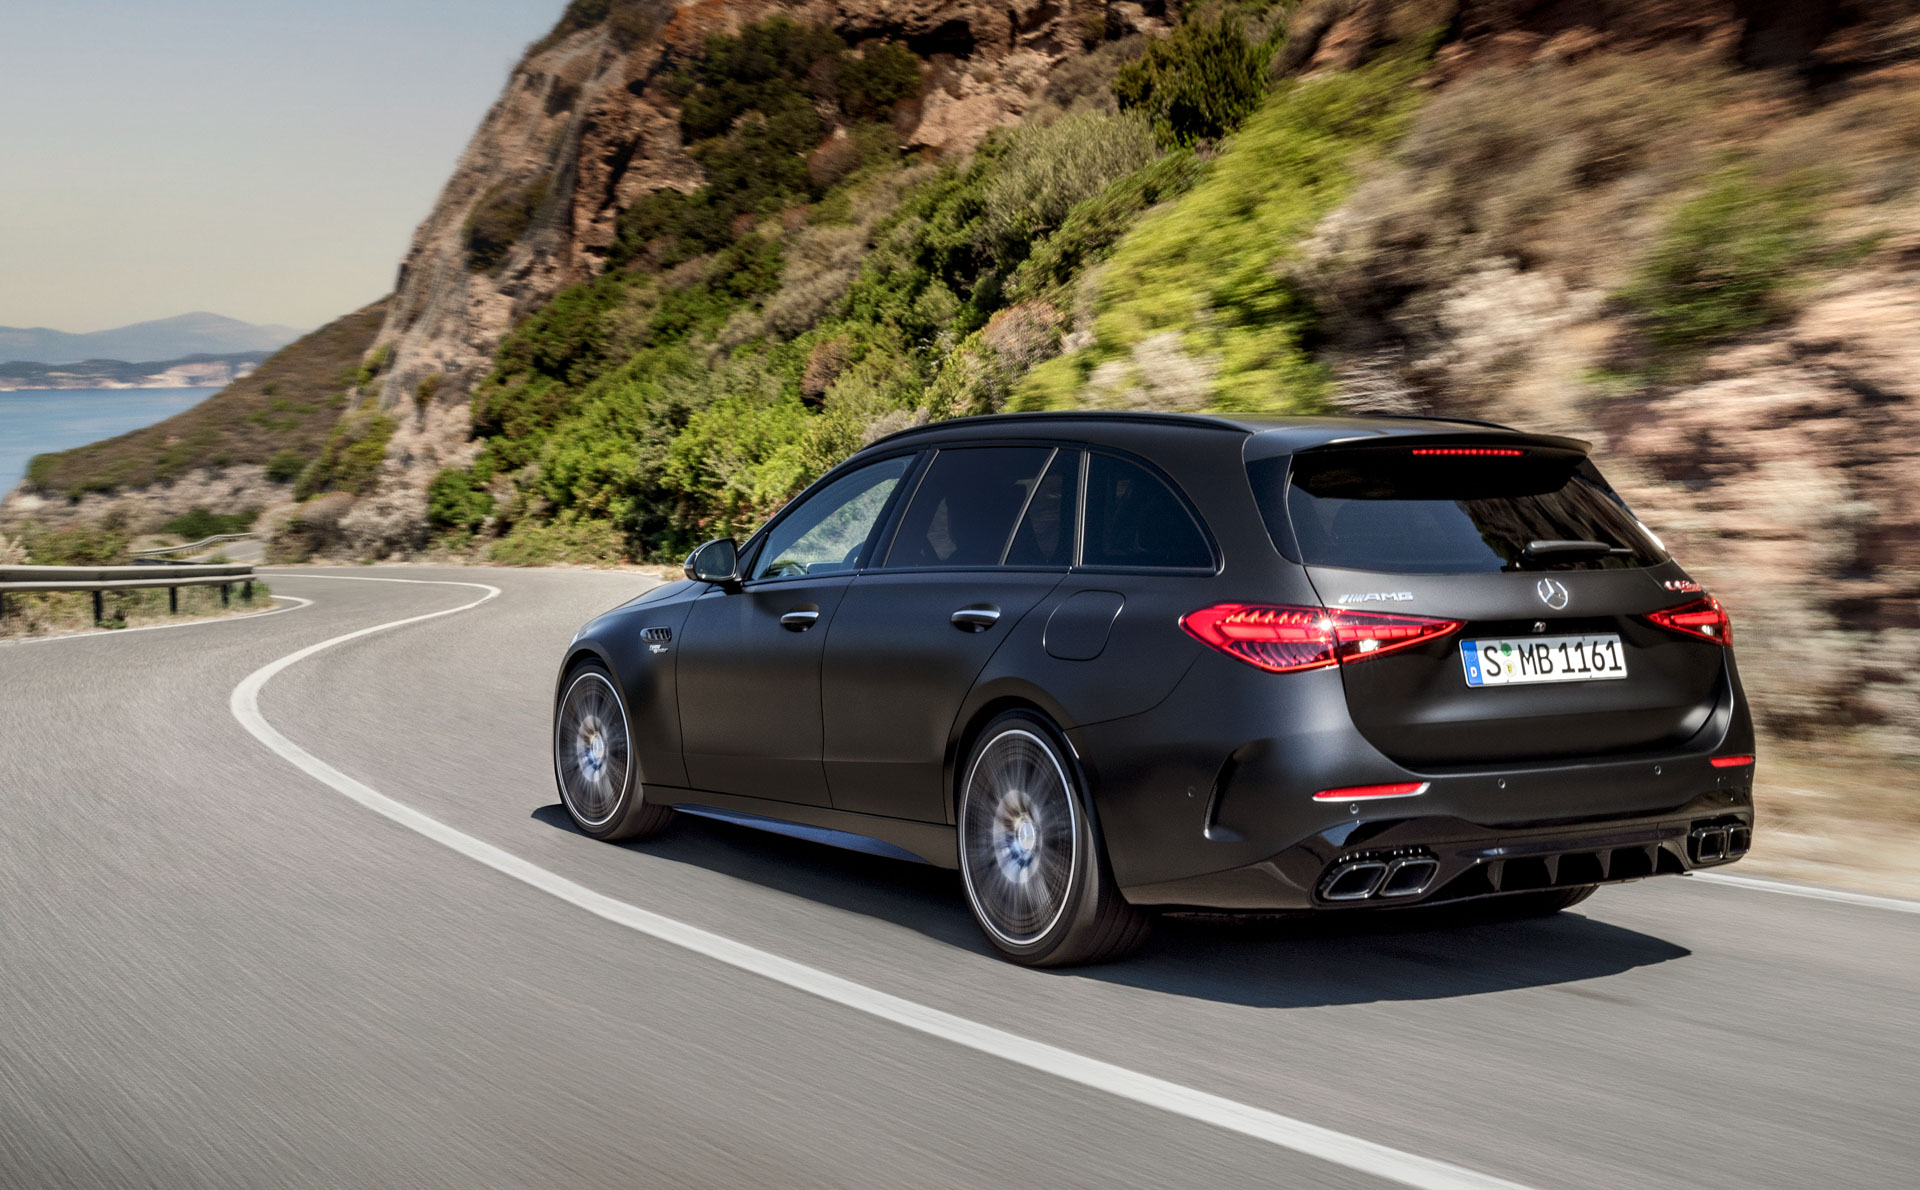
x=963, y=512
x=1386, y=509
x=1044, y=536
x=1134, y=519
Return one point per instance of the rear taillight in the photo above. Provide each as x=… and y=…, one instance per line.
x=1704, y=618
x=1731, y=762
x=1283, y=639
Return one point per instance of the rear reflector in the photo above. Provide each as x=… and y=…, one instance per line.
x=1282, y=639
x=1704, y=618
x=1469, y=452
x=1730, y=762
x=1354, y=793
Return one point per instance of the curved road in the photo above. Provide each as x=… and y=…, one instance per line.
x=218, y=968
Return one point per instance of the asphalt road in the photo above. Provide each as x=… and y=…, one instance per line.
x=218, y=970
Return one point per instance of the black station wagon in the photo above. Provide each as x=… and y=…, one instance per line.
x=1110, y=663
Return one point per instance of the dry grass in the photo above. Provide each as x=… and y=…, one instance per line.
x=1829, y=816
x=289, y=405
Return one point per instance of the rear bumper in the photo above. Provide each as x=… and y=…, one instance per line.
x=1391, y=863
x=1208, y=801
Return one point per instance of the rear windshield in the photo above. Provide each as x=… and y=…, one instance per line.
x=1390, y=510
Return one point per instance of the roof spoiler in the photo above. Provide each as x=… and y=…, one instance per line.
x=1490, y=436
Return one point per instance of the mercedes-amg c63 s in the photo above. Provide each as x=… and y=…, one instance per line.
x=1108, y=663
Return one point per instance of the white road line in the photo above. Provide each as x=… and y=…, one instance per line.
x=1301, y=1137
x=297, y=602
x=1812, y=892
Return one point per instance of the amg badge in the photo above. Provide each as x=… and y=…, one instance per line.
x=1379, y=597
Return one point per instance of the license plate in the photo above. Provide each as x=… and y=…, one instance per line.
x=1543, y=659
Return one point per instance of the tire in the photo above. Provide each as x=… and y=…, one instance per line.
x=593, y=760
x=1036, y=875
x=1544, y=903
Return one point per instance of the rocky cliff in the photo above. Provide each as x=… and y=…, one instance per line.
x=587, y=125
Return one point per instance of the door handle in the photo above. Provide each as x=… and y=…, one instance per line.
x=799, y=620
x=976, y=619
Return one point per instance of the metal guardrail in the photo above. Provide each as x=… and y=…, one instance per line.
x=101, y=579
x=163, y=550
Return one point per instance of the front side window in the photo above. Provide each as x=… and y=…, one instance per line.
x=963, y=512
x=1134, y=519
x=829, y=530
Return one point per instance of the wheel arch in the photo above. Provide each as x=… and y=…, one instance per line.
x=985, y=704
x=578, y=654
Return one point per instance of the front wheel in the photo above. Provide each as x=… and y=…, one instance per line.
x=593, y=761
x=1035, y=873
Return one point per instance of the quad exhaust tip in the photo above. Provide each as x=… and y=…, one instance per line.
x=1398, y=877
x=1355, y=880
x=1718, y=842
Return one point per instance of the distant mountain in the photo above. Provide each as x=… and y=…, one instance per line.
x=208, y=371
x=163, y=339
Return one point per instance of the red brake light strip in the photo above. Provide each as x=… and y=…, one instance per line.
x=1354, y=793
x=1474, y=452
x=1730, y=762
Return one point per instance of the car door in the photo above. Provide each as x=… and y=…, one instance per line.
x=750, y=659
x=987, y=533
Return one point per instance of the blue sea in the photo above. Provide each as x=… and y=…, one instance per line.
x=34, y=421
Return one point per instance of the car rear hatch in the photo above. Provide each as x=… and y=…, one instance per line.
x=1547, y=576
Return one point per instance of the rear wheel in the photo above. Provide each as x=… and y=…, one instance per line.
x=1035, y=873
x=593, y=760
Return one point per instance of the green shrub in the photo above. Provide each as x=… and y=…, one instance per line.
x=1095, y=224
x=455, y=503
x=569, y=540
x=375, y=363
x=762, y=68
x=499, y=220
x=1727, y=259
x=871, y=84
x=200, y=523
x=285, y=466
x=1197, y=84
x=427, y=389
x=1047, y=171
x=350, y=461
x=629, y=22
x=100, y=544
x=750, y=108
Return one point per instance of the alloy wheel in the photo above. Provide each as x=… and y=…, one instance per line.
x=1019, y=832
x=591, y=749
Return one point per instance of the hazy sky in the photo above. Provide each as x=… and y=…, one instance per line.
x=263, y=159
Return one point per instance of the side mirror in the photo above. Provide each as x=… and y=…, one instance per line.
x=718, y=561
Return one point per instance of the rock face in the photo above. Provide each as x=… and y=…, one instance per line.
x=588, y=116
x=1789, y=478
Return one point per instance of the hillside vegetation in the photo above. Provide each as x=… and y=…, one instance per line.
x=820, y=288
